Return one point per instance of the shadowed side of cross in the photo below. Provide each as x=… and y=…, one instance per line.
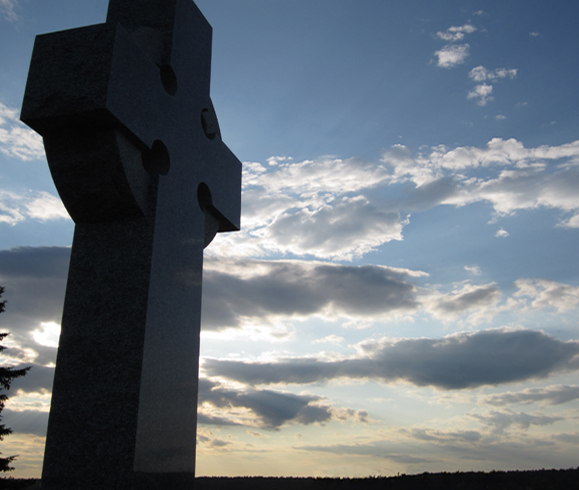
x=145, y=73
x=135, y=151
x=185, y=117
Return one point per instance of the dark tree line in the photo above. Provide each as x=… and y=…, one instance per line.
x=7, y=375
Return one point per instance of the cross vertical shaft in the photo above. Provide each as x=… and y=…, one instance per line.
x=135, y=151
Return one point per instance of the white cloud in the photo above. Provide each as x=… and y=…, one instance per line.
x=500, y=117
x=482, y=92
x=46, y=207
x=16, y=139
x=523, y=189
x=330, y=339
x=48, y=335
x=453, y=34
x=534, y=34
x=544, y=293
x=318, y=177
x=475, y=269
x=452, y=55
x=399, y=159
x=502, y=233
x=497, y=152
x=336, y=208
x=312, y=208
x=40, y=205
x=481, y=74
x=535, y=177
x=8, y=9
x=344, y=229
x=572, y=222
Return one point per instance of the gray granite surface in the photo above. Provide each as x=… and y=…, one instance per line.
x=135, y=151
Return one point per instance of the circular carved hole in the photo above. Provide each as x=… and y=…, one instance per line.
x=209, y=123
x=157, y=160
x=169, y=79
x=204, y=196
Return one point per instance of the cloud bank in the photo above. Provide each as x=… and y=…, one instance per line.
x=235, y=290
x=240, y=293
x=551, y=395
x=267, y=409
x=466, y=360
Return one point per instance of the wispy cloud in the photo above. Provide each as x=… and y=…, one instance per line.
x=544, y=293
x=572, y=222
x=330, y=339
x=499, y=422
x=481, y=74
x=454, y=33
x=467, y=297
x=483, y=91
x=475, y=269
x=17, y=140
x=41, y=206
x=8, y=10
x=534, y=177
x=420, y=448
x=378, y=449
x=551, y=395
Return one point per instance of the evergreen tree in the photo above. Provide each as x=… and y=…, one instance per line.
x=7, y=375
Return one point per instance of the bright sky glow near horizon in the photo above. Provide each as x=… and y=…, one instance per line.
x=404, y=294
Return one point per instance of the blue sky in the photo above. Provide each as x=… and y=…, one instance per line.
x=404, y=293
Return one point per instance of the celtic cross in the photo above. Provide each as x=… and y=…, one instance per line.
x=135, y=151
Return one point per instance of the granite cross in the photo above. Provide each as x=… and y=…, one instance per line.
x=135, y=151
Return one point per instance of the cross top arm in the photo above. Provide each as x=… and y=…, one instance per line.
x=137, y=85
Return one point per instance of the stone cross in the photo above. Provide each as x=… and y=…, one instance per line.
x=135, y=151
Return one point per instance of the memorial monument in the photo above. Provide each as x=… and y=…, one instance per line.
x=135, y=151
